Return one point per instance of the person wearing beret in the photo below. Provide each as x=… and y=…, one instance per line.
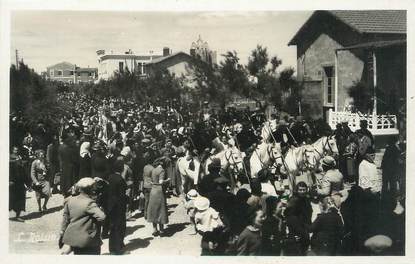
x=82, y=218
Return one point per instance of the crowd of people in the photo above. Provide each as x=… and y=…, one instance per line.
x=111, y=157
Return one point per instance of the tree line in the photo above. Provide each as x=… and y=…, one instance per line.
x=259, y=80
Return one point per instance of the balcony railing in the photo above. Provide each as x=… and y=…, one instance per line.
x=377, y=124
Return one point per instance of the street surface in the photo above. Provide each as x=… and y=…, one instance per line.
x=39, y=233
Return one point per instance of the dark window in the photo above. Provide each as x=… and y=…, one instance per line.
x=71, y=73
x=90, y=74
x=60, y=73
x=121, y=66
x=329, y=85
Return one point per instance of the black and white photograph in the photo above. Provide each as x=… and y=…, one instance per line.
x=272, y=133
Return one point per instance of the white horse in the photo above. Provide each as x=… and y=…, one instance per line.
x=189, y=176
x=231, y=157
x=268, y=128
x=297, y=160
x=307, y=157
x=326, y=145
x=264, y=156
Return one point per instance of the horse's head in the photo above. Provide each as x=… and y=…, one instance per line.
x=275, y=154
x=237, y=128
x=234, y=158
x=309, y=159
x=331, y=146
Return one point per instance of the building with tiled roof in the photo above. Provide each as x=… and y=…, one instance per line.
x=339, y=48
x=70, y=73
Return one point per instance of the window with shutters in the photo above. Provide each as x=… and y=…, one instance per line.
x=328, y=86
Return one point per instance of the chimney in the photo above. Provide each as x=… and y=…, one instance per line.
x=166, y=51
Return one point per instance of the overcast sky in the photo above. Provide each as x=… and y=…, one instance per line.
x=44, y=38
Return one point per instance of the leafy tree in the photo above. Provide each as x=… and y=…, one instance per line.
x=258, y=61
x=207, y=83
x=362, y=93
x=290, y=86
x=163, y=85
x=267, y=87
x=234, y=75
x=34, y=98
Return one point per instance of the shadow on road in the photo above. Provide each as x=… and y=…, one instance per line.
x=174, y=228
x=132, y=229
x=138, y=215
x=169, y=206
x=36, y=214
x=137, y=243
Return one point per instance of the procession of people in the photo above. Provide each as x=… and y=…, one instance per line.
x=251, y=184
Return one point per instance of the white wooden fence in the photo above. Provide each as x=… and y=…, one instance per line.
x=377, y=124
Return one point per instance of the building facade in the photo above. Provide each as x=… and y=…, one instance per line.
x=337, y=49
x=109, y=63
x=69, y=73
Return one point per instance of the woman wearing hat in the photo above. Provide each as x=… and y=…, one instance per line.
x=157, y=204
x=40, y=182
x=332, y=180
x=81, y=220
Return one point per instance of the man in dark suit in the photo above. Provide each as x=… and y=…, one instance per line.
x=67, y=162
x=81, y=221
x=117, y=206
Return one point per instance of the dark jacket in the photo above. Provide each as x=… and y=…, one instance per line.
x=99, y=166
x=391, y=162
x=80, y=225
x=117, y=198
x=85, y=169
x=327, y=234
x=67, y=161
x=249, y=243
x=207, y=184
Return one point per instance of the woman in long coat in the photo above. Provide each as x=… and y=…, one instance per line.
x=17, y=181
x=157, y=204
x=67, y=161
x=40, y=181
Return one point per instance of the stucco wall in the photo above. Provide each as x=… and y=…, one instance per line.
x=321, y=53
x=312, y=99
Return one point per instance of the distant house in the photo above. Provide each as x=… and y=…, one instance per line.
x=84, y=75
x=109, y=63
x=63, y=72
x=178, y=64
x=69, y=73
x=336, y=49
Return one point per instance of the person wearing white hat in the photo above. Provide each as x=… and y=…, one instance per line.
x=209, y=225
x=192, y=195
x=80, y=215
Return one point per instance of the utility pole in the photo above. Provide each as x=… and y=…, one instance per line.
x=17, y=59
